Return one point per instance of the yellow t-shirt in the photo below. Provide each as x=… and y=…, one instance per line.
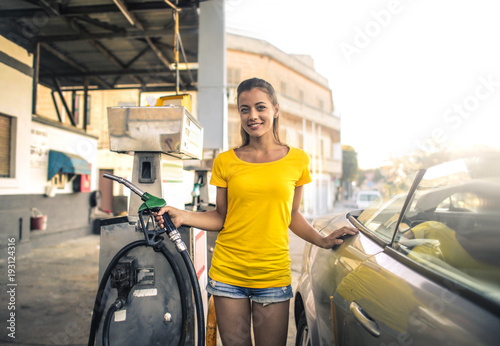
x=252, y=248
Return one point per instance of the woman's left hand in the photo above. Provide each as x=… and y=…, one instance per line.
x=333, y=238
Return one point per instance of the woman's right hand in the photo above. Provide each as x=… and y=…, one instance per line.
x=174, y=214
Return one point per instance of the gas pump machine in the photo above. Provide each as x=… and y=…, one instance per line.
x=149, y=291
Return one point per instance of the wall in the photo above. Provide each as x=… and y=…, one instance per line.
x=68, y=216
x=61, y=139
x=68, y=213
x=15, y=102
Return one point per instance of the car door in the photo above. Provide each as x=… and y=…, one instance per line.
x=327, y=268
x=386, y=301
x=358, y=299
x=384, y=295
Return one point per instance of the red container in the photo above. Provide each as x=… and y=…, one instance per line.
x=38, y=221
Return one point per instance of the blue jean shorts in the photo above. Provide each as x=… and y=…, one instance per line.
x=259, y=295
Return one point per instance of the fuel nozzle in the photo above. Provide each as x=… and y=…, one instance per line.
x=150, y=202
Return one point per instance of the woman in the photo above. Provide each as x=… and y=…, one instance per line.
x=259, y=190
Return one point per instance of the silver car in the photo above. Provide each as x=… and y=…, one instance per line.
x=424, y=268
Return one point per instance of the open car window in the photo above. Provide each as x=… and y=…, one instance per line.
x=452, y=226
x=380, y=218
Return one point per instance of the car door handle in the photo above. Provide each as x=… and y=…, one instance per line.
x=363, y=319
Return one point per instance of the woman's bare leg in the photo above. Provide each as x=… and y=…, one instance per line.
x=270, y=323
x=233, y=320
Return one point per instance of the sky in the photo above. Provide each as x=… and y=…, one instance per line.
x=405, y=75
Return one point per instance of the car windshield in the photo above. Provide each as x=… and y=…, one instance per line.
x=381, y=217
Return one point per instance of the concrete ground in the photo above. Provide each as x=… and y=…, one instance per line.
x=54, y=292
x=54, y=296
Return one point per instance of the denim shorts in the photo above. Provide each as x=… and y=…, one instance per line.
x=259, y=295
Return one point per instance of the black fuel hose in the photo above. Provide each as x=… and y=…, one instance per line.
x=200, y=319
x=99, y=304
x=181, y=248
x=182, y=291
x=117, y=305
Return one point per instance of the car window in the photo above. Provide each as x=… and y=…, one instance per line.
x=461, y=201
x=380, y=218
x=452, y=227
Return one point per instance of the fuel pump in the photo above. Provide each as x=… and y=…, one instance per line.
x=124, y=274
x=148, y=292
x=200, y=193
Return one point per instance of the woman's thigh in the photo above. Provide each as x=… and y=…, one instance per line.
x=270, y=323
x=233, y=320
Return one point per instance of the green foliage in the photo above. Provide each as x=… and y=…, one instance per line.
x=349, y=163
x=362, y=173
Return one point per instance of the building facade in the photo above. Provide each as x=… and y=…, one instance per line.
x=42, y=200
x=306, y=106
x=29, y=137
x=307, y=119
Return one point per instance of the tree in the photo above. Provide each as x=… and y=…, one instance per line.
x=362, y=175
x=349, y=163
x=349, y=168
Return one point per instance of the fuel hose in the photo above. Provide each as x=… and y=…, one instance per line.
x=182, y=290
x=99, y=303
x=181, y=248
x=117, y=305
x=200, y=319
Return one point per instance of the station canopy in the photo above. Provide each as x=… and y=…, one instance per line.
x=107, y=44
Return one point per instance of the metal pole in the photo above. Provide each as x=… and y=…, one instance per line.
x=212, y=82
x=63, y=100
x=55, y=106
x=73, y=106
x=85, y=102
x=172, y=5
x=36, y=69
x=176, y=51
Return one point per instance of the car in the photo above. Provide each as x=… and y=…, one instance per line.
x=365, y=198
x=424, y=268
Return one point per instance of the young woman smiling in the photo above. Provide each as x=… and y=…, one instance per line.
x=259, y=190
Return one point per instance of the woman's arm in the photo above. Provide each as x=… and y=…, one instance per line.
x=303, y=229
x=209, y=221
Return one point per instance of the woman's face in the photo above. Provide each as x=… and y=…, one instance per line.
x=257, y=112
